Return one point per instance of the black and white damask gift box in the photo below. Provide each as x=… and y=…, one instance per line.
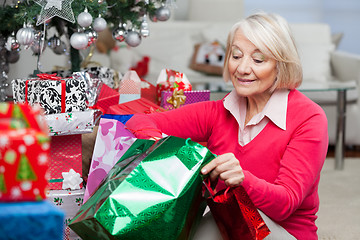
x=54, y=94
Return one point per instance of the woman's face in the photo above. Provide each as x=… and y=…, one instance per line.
x=251, y=71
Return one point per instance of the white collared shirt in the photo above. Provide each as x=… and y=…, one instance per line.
x=274, y=110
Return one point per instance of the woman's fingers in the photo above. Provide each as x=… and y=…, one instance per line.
x=225, y=167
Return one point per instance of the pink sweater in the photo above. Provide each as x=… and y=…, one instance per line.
x=281, y=167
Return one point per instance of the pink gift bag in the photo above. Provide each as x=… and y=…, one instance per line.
x=112, y=141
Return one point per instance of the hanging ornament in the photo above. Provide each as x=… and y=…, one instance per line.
x=55, y=8
x=152, y=17
x=38, y=45
x=61, y=49
x=100, y=1
x=84, y=19
x=79, y=40
x=92, y=35
x=144, y=28
x=99, y=24
x=133, y=38
x=25, y=35
x=119, y=33
x=12, y=44
x=163, y=13
x=54, y=42
x=12, y=56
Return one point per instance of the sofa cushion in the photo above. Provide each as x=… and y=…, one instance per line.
x=314, y=45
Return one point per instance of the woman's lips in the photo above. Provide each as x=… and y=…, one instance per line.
x=242, y=80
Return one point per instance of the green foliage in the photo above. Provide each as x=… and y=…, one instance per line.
x=114, y=11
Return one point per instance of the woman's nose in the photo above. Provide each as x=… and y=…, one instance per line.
x=244, y=66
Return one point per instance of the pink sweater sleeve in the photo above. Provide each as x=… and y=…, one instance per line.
x=298, y=175
x=188, y=121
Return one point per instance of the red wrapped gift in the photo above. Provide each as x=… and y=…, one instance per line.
x=24, y=153
x=107, y=97
x=65, y=159
x=170, y=80
x=148, y=91
x=235, y=214
x=141, y=105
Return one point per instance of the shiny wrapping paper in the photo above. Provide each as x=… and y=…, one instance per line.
x=153, y=192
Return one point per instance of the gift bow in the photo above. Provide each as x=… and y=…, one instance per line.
x=71, y=180
x=177, y=98
x=48, y=76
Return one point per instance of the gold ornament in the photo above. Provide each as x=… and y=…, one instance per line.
x=177, y=98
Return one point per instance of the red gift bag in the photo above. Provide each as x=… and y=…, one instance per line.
x=235, y=214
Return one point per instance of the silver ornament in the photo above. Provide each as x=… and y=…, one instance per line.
x=79, y=40
x=36, y=46
x=12, y=44
x=153, y=17
x=99, y=24
x=25, y=36
x=144, y=28
x=12, y=56
x=54, y=42
x=100, y=1
x=92, y=36
x=119, y=33
x=61, y=49
x=163, y=13
x=133, y=38
x=84, y=19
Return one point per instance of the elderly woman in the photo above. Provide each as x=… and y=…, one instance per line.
x=268, y=136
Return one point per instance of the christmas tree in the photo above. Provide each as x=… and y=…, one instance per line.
x=25, y=25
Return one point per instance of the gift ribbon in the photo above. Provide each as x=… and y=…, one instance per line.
x=46, y=76
x=70, y=180
x=177, y=98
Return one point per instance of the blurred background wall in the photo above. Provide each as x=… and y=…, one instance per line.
x=343, y=16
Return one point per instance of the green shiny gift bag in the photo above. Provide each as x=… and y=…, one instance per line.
x=153, y=192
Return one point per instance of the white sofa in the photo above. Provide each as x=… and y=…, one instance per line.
x=171, y=45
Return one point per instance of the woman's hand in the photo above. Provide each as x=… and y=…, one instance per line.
x=225, y=167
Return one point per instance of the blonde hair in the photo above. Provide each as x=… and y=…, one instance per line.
x=271, y=34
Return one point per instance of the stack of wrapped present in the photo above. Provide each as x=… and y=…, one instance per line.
x=66, y=103
x=24, y=164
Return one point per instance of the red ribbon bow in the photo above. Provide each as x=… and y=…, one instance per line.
x=48, y=76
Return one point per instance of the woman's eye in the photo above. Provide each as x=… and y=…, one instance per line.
x=236, y=56
x=258, y=60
